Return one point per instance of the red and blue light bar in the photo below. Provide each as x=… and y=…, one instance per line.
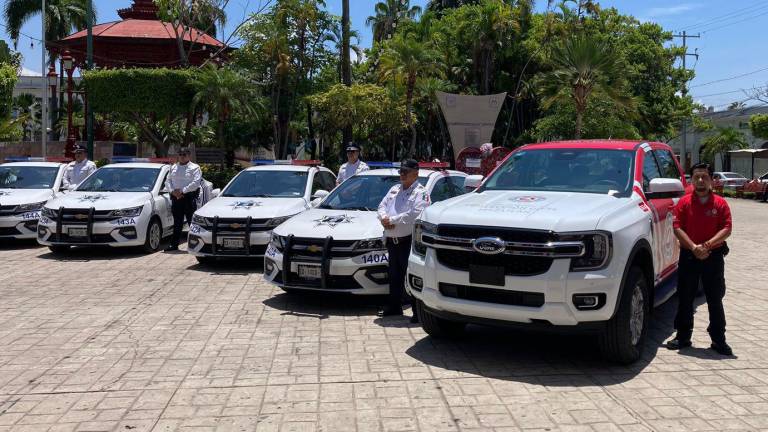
x=37, y=159
x=424, y=165
x=129, y=159
x=286, y=162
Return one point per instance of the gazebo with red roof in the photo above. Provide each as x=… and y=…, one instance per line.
x=140, y=39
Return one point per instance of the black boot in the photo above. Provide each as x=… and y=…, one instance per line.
x=722, y=348
x=679, y=342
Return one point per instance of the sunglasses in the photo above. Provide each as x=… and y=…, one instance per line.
x=405, y=170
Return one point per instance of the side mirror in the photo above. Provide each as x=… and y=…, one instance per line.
x=319, y=194
x=215, y=193
x=315, y=202
x=164, y=191
x=473, y=182
x=660, y=187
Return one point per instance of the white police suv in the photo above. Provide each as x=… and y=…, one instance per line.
x=122, y=204
x=566, y=236
x=338, y=245
x=24, y=188
x=239, y=222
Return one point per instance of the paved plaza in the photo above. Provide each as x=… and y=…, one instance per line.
x=116, y=340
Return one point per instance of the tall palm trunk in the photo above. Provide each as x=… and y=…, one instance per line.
x=346, y=62
x=579, y=123
x=408, y=110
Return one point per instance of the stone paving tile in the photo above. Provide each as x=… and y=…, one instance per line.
x=116, y=340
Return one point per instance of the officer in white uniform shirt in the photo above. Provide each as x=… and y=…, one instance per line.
x=398, y=212
x=184, y=183
x=79, y=169
x=353, y=165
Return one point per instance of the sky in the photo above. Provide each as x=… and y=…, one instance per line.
x=732, y=47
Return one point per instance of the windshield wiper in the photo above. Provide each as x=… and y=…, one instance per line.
x=262, y=196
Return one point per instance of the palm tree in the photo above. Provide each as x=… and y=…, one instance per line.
x=581, y=68
x=721, y=142
x=406, y=59
x=223, y=92
x=336, y=39
x=388, y=14
x=62, y=17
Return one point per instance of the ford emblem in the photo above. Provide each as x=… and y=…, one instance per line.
x=489, y=245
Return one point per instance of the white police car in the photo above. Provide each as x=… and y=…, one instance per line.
x=337, y=246
x=239, y=222
x=118, y=205
x=24, y=188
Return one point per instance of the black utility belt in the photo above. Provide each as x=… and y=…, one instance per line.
x=399, y=240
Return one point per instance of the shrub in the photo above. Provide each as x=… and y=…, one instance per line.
x=219, y=176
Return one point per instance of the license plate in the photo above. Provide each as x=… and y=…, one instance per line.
x=233, y=243
x=486, y=275
x=309, y=271
x=77, y=232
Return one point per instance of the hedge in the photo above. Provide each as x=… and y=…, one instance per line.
x=159, y=91
x=8, y=78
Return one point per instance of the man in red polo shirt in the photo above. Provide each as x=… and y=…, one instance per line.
x=702, y=224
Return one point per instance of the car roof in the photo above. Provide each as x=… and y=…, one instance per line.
x=607, y=144
x=425, y=173
x=33, y=164
x=135, y=165
x=278, y=167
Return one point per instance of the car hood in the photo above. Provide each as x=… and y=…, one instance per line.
x=257, y=208
x=555, y=211
x=339, y=224
x=100, y=200
x=24, y=196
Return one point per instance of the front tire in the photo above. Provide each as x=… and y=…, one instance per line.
x=154, y=237
x=625, y=334
x=438, y=327
x=58, y=249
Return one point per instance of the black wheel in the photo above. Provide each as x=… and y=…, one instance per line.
x=206, y=260
x=58, y=249
x=625, y=334
x=154, y=237
x=438, y=327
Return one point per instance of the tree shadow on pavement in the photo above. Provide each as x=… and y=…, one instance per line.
x=14, y=244
x=230, y=266
x=94, y=253
x=324, y=304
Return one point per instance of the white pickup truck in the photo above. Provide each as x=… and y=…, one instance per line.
x=564, y=236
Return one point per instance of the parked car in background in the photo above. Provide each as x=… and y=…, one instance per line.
x=24, y=188
x=729, y=180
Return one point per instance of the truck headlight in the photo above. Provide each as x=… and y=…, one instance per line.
x=128, y=212
x=274, y=222
x=373, y=244
x=597, y=250
x=278, y=241
x=30, y=207
x=421, y=228
x=49, y=213
x=202, y=221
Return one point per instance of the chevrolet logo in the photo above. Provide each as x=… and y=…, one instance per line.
x=235, y=226
x=81, y=216
x=314, y=248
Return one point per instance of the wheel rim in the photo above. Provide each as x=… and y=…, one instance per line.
x=636, y=320
x=154, y=236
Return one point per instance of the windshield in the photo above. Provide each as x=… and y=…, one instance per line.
x=268, y=184
x=362, y=192
x=121, y=180
x=565, y=170
x=27, y=177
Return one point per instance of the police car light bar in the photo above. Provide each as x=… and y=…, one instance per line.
x=128, y=159
x=286, y=162
x=37, y=159
x=424, y=165
x=383, y=164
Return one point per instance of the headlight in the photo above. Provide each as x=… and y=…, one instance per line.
x=278, y=220
x=421, y=228
x=128, y=212
x=30, y=207
x=278, y=241
x=49, y=213
x=202, y=221
x=369, y=245
x=597, y=250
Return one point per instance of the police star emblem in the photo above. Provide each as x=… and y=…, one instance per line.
x=4, y=193
x=247, y=205
x=92, y=198
x=333, y=221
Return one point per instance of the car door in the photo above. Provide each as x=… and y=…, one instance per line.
x=670, y=247
x=661, y=212
x=163, y=201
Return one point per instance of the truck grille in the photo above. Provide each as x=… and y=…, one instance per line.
x=238, y=225
x=506, y=234
x=492, y=295
x=513, y=265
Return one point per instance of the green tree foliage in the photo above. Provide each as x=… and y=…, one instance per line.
x=8, y=80
x=723, y=140
x=190, y=16
x=62, y=17
x=758, y=124
x=389, y=14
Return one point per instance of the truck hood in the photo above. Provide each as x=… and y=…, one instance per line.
x=555, y=211
x=339, y=224
x=24, y=196
x=100, y=200
x=257, y=208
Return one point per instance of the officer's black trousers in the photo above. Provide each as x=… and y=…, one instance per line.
x=398, y=266
x=181, y=208
x=711, y=273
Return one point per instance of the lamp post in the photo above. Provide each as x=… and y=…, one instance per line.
x=52, y=82
x=69, y=67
